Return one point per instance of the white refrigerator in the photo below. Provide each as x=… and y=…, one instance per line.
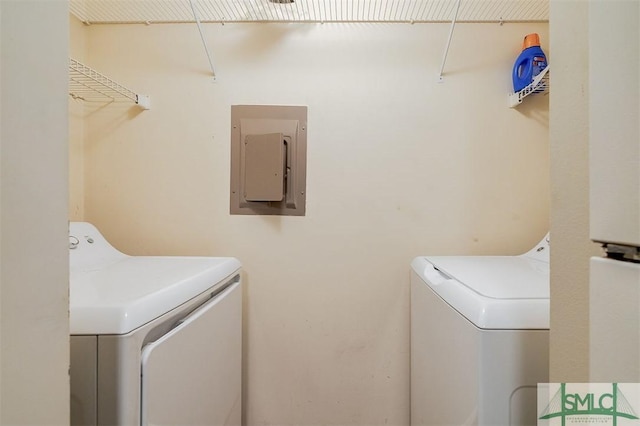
x=614, y=161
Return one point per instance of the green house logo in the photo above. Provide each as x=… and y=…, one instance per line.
x=590, y=404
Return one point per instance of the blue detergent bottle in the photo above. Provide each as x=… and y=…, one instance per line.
x=529, y=64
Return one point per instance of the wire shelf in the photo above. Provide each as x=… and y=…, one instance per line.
x=539, y=85
x=87, y=84
x=220, y=11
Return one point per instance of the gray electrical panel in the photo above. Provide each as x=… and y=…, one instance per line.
x=268, y=160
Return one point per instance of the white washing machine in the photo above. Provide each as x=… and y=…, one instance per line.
x=479, y=338
x=154, y=340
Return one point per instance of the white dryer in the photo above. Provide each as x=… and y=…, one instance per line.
x=479, y=338
x=154, y=340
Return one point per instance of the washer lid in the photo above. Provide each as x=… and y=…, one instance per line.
x=499, y=277
x=124, y=294
x=493, y=292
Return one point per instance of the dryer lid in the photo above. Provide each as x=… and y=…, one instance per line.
x=113, y=293
x=126, y=294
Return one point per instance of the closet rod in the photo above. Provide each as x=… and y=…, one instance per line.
x=446, y=50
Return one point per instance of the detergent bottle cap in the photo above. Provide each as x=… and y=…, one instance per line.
x=531, y=40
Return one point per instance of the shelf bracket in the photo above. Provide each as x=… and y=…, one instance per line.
x=204, y=41
x=446, y=49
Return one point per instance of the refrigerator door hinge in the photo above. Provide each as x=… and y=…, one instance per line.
x=622, y=252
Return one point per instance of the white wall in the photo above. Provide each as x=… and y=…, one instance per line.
x=34, y=323
x=398, y=166
x=569, y=138
x=77, y=51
